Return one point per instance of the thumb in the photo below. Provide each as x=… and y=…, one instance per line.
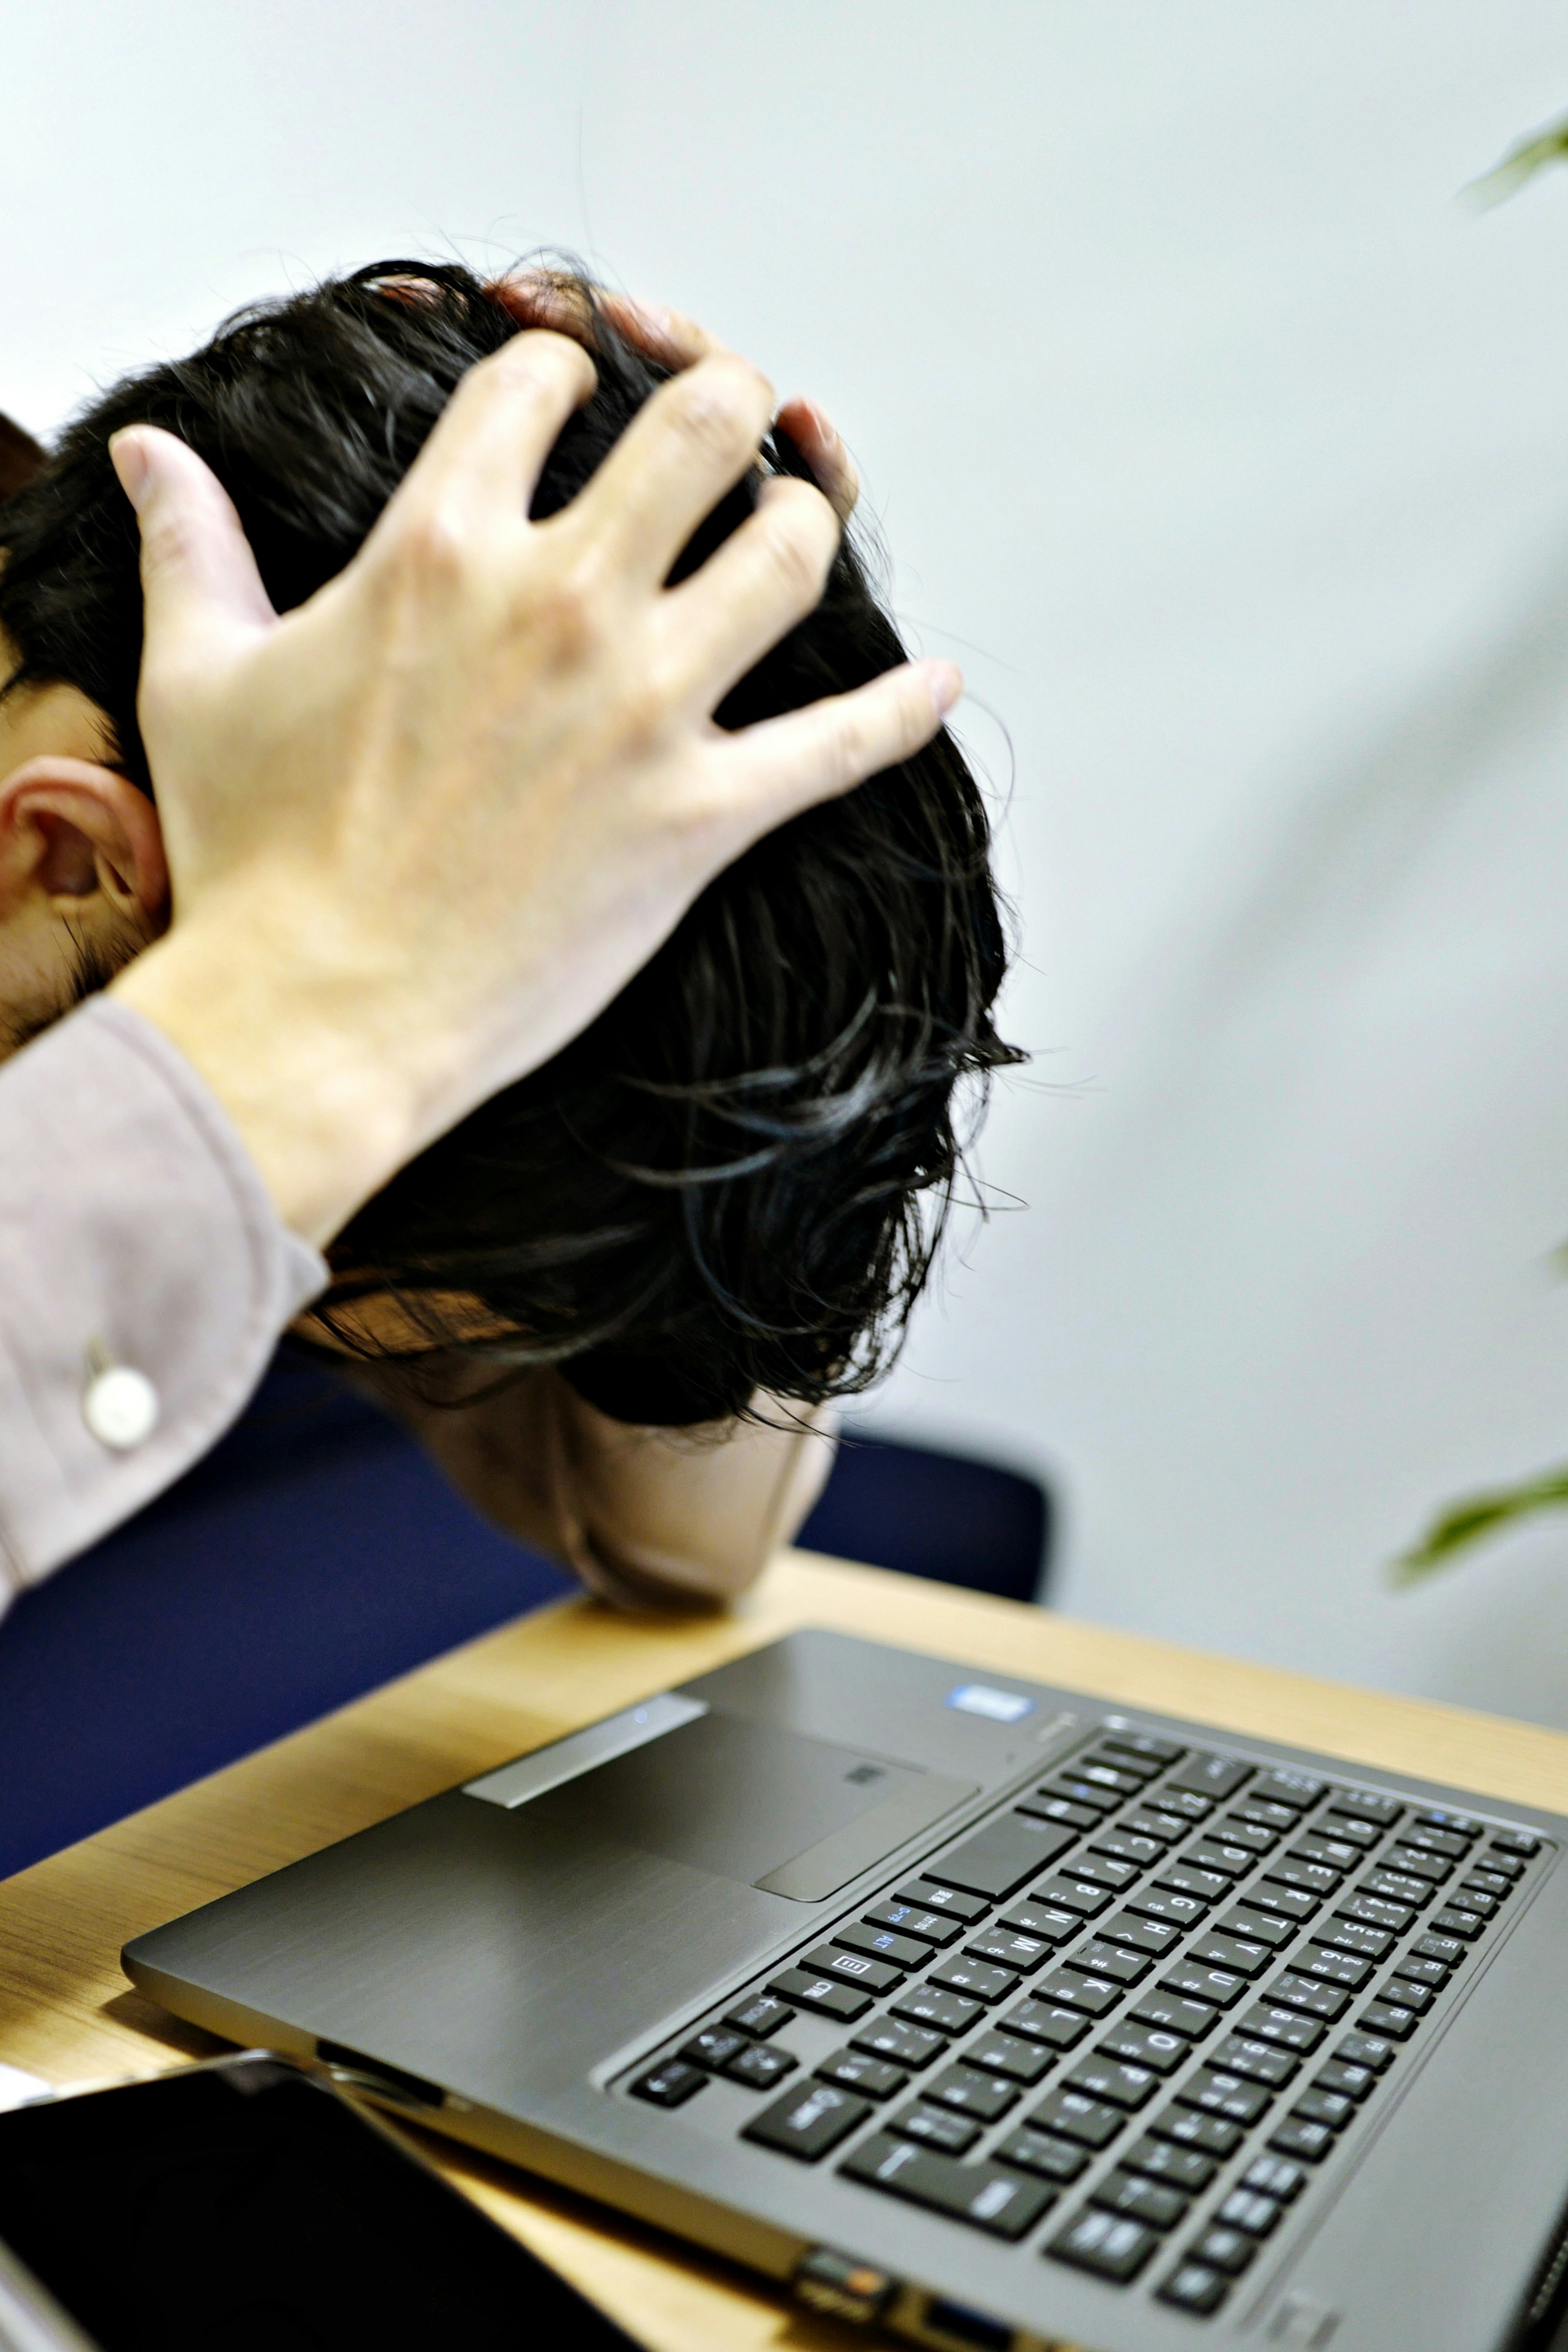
x=200, y=585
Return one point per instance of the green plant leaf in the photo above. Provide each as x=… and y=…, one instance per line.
x=1476, y=1517
x=1522, y=162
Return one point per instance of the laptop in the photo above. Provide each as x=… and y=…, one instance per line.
x=975, y=2010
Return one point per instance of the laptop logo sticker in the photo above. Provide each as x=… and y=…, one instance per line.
x=996, y=1705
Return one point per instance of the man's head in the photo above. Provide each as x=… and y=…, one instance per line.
x=733, y=1178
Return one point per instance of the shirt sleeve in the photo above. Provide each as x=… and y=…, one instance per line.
x=135, y=1236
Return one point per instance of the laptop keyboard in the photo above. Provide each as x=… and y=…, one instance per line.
x=1134, y=2011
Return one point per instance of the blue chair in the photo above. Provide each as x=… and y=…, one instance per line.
x=314, y=1554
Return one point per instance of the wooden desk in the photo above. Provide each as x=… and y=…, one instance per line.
x=66, y=2012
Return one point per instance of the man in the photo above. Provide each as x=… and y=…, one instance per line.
x=418, y=837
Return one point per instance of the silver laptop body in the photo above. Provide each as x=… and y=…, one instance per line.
x=970, y=2006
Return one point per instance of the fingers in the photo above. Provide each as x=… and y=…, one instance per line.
x=489, y=446
x=685, y=448
x=783, y=765
x=818, y=439
x=768, y=575
x=201, y=588
x=547, y=298
x=666, y=336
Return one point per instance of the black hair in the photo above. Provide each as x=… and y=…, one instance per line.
x=736, y=1176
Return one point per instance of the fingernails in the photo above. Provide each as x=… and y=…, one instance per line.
x=129, y=457
x=945, y=681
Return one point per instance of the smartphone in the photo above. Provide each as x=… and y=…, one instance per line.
x=246, y=2206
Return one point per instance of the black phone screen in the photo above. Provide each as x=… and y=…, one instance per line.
x=245, y=2207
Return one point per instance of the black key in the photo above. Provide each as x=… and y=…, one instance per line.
x=1333, y=1967
x=1372, y=1912
x=1181, y=2168
x=981, y=1979
x=1143, y=2200
x=1158, y=1827
x=1292, y=1903
x=1172, y=2012
x=1354, y=1936
x=1173, y=1910
x=981, y=2095
x=1093, y=1995
x=1488, y=1882
x=910, y=1919
x=1002, y=1857
x=1280, y=1819
x=1021, y=1954
x=1184, y=1804
x=1224, y=2250
x=1046, y=1805
x=935, y=2127
x=1339, y=1853
x=821, y=1994
x=1101, y=1870
x=1145, y=2046
x=1193, y=2286
x=1259, y=1927
x=1296, y=1869
x=1394, y=1887
x=853, y=1967
x=1516, y=1841
x=1284, y=2027
x=1150, y=1935
x=1297, y=1991
x=1208, y=1885
x=1003, y=2203
x=1364, y=2049
x=1232, y=1955
x=902, y=2045
x=1389, y=2024
x=1106, y=2243
x=671, y=2084
x=1058, y=2029
x=1004, y=2053
x=1210, y=2134
x=760, y=2067
x=1143, y=1743
x=1032, y=1917
x=1225, y=2095
x=1405, y=1993
x=1073, y=2116
x=873, y=2077
x=944, y=2012
x=808, y=2121
x=1456, y=1923
x=1362, y=1806
x=1033, y=2151
x=1286, y=1787
x=1123, y=1845
x=1411, y=1862
x=1364, y=1835
x=1106, y=2078
x=1230, y=1860
x=1350, y=2082
x=1422, y=1971
x=1507, y=1864
x=1471, y=1898
x=1082, y=1793
x=1189, y=1978
x=1275, y=2176
x=1296, y=2137
x=1441, y=1842
x=1102, y=1959
x=714, y=2046
x=1244, y=2209
x=1104, y=1774
x=1069, y=1894
x=883, y=1944
x=1251, y=1836
x=926, y=1896
x=1443, y=1948
x=1331, y=2108
x=1255, y=2061
x=762, y=2015
x=1210, y=1775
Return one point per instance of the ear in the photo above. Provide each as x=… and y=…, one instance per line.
x=71, y=830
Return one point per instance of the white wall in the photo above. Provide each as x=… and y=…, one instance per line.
x=1231, y=455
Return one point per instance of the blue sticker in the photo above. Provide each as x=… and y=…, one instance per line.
x=998, y=1705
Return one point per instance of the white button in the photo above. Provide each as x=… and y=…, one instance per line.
x=120, y=1407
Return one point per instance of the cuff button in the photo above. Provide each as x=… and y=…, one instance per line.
x=119, y=1406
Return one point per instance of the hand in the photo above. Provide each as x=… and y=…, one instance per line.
x=422, y=830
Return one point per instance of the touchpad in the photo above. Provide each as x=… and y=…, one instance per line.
x=749, y=1801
